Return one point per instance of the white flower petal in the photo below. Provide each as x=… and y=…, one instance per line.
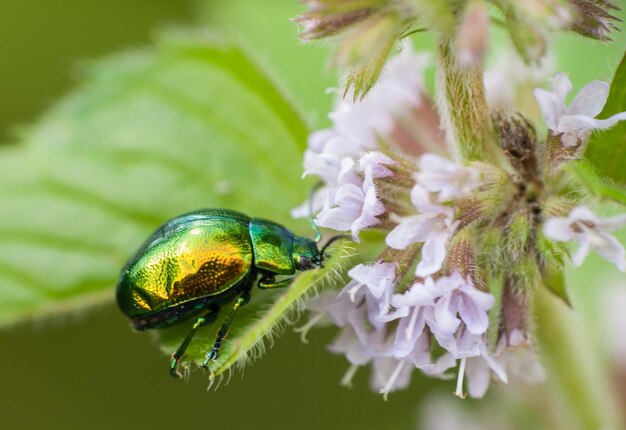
x=483, y=300
x=550, y=107
x=449, y=179
x=433, y=254
x=561, y=85
x=590, y=99
x=603, y=124
x=557, y=228
x=346, y=174
x=582, y=252
x=348, y=343
x=473, y=316
x=378, y=277
x=583, y=213
x=478, y=377
x=409, y=330
x=446, y=321
x=319, y=139
x=373, y=164
x=496, y=367
x=591, y=232
x=612, y=223
x=411, y=230
x=418, y=295
x=577, y=122
x=420, y=196
x=443, y=364
x=613, y=251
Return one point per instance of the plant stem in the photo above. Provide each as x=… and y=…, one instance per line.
x=469, y=126
x=573, y=365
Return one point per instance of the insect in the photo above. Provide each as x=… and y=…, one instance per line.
x=198, y=262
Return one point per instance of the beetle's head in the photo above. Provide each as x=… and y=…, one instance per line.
x=306, y=256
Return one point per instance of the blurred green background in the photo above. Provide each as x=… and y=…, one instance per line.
x=90, y=370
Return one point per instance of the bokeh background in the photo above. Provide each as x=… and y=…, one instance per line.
x=88, y=370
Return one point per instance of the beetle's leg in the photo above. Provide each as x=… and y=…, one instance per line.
x=243, y=298
x=267, y=282
x=207, y=318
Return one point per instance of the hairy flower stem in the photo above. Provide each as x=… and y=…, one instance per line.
x=469, y=126
x=573, y=365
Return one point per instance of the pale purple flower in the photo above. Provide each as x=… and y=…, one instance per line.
x=479, y=371
x=509, y=78
x=331, y=168
x=379, y=280
x=576, y=122
x=349, y=345
x=390, y=375
x=522, y=362
x=357, y=128
x=373, y=165
x=460, y=302
x=479, y=368
x=459, y=322
x=318, y=313
x=449, y=179
x=330, y=159
x=412, y=308
x=354, y=208
x=363, y=337
x=591, y=232
x=434, y=225
x=399, y=88
x=442, y=412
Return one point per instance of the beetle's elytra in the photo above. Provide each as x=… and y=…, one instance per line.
x=195, y=263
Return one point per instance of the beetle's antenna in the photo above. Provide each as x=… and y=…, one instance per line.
x=332, y=240
x=318, y=233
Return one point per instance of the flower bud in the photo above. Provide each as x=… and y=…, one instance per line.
x=518, y=140
x=526, y=35
x=514, y=325
x=594, y=20
x=473, y=37
x=367, y=31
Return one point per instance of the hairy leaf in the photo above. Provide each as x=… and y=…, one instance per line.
x=554, y=281
x=186, y=124
x=607, y=149
x=257, y=320
x=602, y=187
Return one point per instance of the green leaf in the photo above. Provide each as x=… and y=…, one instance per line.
x=554, y=281
x=188, y=123
x=586, y=175
x=257, y=320
x=607, y=149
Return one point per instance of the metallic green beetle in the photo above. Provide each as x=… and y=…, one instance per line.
x=195, y=263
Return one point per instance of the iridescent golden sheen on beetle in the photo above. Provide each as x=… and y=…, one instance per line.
x=196, y=262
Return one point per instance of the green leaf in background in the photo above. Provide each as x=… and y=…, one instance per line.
x=189, y=123
x=585, y=174
x=607, y=149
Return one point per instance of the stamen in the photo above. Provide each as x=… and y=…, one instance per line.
x=411, y=328
x=352, y=292
x=392, y=380
x=346, y=381
x=459, y=382
x=304, y=330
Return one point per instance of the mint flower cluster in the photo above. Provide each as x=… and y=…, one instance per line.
x=458, y=236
